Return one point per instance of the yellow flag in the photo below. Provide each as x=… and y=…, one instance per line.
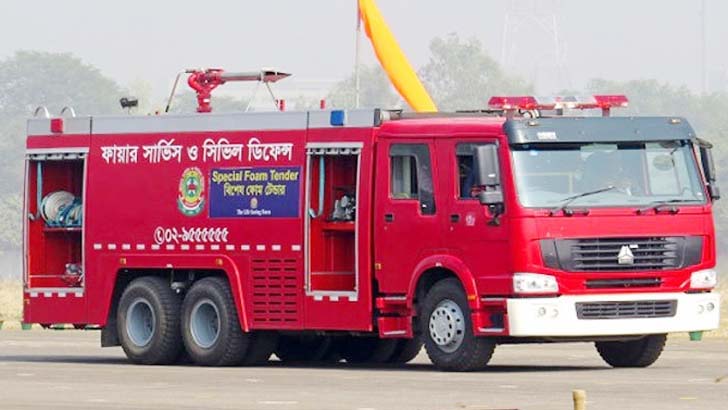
x=393, y=60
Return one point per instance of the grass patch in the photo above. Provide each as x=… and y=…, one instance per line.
x=11, y=300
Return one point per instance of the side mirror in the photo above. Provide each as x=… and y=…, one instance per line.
x=490, y=197
x=485, y=164
x=706, y=157
x=487, y=177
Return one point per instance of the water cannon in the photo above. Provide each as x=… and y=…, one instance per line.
x=513, y=104
x=204, y=81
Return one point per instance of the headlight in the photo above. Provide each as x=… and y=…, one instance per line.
x=525, y=283
x=704, y=279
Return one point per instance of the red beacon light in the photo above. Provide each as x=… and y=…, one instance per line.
x=557, y=103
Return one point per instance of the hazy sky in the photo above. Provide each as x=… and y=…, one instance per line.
x=152, y=40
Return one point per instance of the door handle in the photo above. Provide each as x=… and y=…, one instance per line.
x=388, y=217
x=455, y=218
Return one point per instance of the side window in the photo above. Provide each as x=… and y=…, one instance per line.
x=466, y=171
x=411, y=175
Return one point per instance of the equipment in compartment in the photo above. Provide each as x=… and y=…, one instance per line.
x=61, y=209
x=344, y=208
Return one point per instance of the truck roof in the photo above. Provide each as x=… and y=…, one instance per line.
x=519, y=130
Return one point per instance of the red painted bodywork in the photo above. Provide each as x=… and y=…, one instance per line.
x=124, y=205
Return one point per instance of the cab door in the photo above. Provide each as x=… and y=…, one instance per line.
x=472, y=234
x=407, y=212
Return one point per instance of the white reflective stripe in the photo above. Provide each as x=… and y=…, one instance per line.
x=61, y=294
x=296, y=248
x=395, y=332
x=318, y=298
x=276, y=247
x=47, y=294
x=259, y=247
x=199, y=247
x=155, y=247
x=184, y=247
x=334, y=298
x=33, y=294
x=229, y=247
x=98, y=246
x=79, y=294
x=126, y=246
x=111, y=246
x=169, y=247
x=140, y=247
x=353, y=298
x=214, y=247
x=244, y=247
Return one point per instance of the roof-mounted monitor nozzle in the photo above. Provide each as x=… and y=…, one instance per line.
x=203, y=81
x=513, y=105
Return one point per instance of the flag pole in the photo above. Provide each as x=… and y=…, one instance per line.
x=357, y=59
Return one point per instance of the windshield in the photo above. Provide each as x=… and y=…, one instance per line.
x=624, y=174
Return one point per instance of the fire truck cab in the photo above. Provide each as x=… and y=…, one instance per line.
x=364, y=234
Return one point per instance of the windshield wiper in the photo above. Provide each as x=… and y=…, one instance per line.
x=568, y=200
x=657, y=205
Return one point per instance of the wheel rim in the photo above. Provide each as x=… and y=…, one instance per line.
x=140, y=322
x=205, y=323
x=447, y=326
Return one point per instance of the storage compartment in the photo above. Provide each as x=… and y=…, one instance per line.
x=332, y=219
x=54, y=229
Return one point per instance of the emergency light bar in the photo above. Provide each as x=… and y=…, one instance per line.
x=529, y=103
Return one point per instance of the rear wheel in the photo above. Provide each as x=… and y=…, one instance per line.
x=147, y=320
x=210, y=327
x=406, y=350
x=448, y=332
x=634, y=353
x=367, y=349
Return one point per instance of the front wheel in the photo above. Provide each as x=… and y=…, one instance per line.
x=448, y=332
x=634, y=353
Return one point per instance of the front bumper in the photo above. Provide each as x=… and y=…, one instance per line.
x=557, y=317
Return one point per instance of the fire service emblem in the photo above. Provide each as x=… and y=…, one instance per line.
x=191, y=197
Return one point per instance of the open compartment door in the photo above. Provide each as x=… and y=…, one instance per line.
x=54, y=260
x=332, y=232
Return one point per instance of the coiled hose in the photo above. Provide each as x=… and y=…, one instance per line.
x=62, y=209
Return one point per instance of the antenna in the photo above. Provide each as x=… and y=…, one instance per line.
x=531, y=39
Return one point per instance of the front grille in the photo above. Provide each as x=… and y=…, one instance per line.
x=623, y=254
x=623, y=283
x=626, y=310
x=603, y=254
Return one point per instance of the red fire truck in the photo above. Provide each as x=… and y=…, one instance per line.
x=363, y=234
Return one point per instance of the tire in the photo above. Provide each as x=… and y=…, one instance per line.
x=261, y=347
x=448, y=331
x=406, y=350
x=148, y=318
x=367, y=349
x=210, y=328
x=305, y=348
x=634, y=353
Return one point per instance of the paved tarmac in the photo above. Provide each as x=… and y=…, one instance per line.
x=67, y=370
